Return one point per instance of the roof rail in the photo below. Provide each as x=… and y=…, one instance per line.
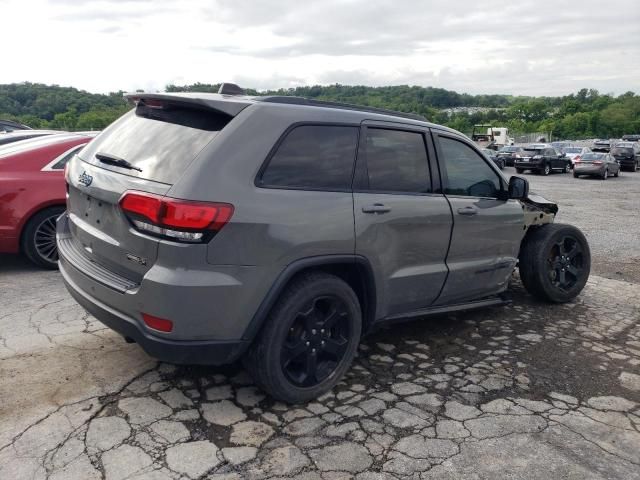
x=291, y=100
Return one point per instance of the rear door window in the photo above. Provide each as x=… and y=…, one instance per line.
x=315, y=157
x=396, y=161
x=162, y=142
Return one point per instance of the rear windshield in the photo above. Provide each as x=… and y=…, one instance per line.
x=622, y=150
x=162, y=142
x=592, y=156
x=533, y=151
x=510, y=149
x=572, y=150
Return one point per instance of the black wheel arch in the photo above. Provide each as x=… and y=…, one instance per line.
x=355, y=270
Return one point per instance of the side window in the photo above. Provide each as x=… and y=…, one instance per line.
x=59, y=165
x=314, y=156
x=396, y=161
x=466, y=172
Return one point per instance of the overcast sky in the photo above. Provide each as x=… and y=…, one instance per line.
x=481, y=46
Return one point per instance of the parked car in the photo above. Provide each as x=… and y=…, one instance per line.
x=575, y=153
x=32, y=194
x=597, y=165
x=560, y=146
x=542, y=158
x=631, y=138
x=204, y=247
x=628, y=155
x=491, y=154
x=18, y=135
x=509, y=154
x=10, y=126
x=601, y=146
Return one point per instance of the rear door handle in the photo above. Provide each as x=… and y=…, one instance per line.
x=469, y=210
x=376, y=208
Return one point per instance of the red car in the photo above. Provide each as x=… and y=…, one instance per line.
x=32, y=194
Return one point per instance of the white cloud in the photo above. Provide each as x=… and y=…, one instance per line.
x=542, y=48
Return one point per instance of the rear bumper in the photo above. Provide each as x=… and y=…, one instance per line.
x=589, y=170
x=203, y=352
x=529, y=165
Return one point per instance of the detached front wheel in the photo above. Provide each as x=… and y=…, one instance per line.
x=555, y=261
x=309, y=339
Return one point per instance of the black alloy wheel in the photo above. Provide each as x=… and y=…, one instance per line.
x=316, y=342
x=565, y=262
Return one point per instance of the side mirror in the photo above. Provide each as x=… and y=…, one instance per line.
x=518, y=188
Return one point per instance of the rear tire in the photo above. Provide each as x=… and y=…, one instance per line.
x=555, y=261
x=519, y=170
x=575, y=175
x=294, y=358
x=546, y=170
x=567, y=168
x=39, y=238
x=605, y=175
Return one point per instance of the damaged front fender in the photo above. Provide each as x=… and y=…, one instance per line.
x=538, y=210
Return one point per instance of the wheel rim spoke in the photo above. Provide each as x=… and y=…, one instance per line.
x=335, y=347
x=45, y=240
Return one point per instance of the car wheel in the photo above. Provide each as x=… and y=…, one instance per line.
x=39, y=238
x=519, y=170
x=567, y=168
x=617, y=174
x=309, y=339
x=605, y=175
x=575, y=175
x=555, y=261
x=546, y=170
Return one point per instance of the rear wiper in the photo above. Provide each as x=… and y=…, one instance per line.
x=117, y=161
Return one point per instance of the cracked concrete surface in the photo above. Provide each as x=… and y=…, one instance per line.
x=529, y=391
x=525, y=391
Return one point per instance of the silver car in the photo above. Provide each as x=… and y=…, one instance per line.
x=595, y=164
x=575, y=153
x=213, y=227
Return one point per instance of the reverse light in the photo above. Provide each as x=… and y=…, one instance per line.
x=157, y=323
x=173, y=218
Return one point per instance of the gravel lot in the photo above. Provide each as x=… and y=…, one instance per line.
x=524, y=391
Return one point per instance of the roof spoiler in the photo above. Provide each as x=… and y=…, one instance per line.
x=229, y=106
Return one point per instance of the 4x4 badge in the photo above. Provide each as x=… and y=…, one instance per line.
x=85, y=179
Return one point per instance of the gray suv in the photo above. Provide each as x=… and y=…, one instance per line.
x=213, y=227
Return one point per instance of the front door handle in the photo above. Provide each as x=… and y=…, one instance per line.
x=376, y=208
x=469, y=210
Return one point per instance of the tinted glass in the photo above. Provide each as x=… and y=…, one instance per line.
x=59, y=165
x=397, y=161
x=533, y=151
x=622, y=151
x=162, y=142
x=314, y=156
x=467, y=173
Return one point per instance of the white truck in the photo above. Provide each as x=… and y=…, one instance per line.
x=486, y=136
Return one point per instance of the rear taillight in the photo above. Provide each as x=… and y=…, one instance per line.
x=173, y=218
x=577, y=159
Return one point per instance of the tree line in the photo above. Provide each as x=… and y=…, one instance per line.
x=584, y=114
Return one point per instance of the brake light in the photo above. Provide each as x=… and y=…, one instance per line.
x=174, y=218
x=157, y=323
x=577, y=159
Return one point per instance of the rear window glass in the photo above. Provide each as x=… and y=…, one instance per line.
x=314, y=157
x=532, y=151
x=592, y=156
x=572, y=150
x=623, y=150
x=161, y=142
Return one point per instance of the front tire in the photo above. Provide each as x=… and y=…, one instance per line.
x=309, y=339
x=39, y=238
x=554, y=263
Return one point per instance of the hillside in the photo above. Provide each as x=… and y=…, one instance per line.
x=586, y=113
